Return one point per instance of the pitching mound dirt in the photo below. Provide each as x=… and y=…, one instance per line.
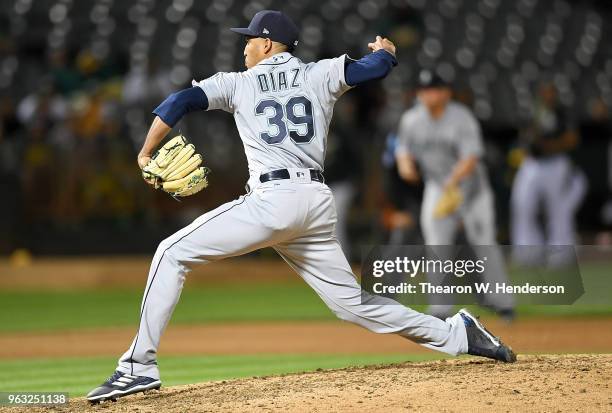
x=535, y=383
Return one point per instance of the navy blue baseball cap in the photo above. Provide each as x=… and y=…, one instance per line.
x=273, y=25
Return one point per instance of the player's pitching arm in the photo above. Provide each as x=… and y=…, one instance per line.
x=373, y=66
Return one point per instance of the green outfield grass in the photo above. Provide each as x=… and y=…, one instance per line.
x=79, y=375
x=25, y=311
x=255, y=301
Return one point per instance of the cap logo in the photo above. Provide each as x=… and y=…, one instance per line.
x=426, y=77
x=265, y=31
x=295, y=43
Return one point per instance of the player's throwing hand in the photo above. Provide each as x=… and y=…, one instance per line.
x=382, y=43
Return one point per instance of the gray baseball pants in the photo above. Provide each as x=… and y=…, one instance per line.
x=296, y=217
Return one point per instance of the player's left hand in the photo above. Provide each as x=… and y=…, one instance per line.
x=382, y=43
x=450, y=200
x=175, y=168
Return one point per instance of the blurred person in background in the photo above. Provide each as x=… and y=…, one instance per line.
x=441, y=139
x=547, y=182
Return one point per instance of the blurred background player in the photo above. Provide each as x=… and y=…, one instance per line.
x=443, y=139
x=547, y=180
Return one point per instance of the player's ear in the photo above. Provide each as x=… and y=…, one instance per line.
x=268, y=46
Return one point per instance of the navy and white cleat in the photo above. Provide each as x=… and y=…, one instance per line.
x=120, y=385
x=482, y=343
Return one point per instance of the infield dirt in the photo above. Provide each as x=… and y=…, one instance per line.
x=535, y=335
x=551, y=383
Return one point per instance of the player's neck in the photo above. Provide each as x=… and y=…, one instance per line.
x=274, y=52
x=269, y=55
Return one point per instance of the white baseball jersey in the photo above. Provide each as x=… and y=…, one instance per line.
x=282, y=108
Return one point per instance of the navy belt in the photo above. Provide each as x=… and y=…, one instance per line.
x=315, y=175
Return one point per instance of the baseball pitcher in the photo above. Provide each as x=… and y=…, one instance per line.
x=282, y=108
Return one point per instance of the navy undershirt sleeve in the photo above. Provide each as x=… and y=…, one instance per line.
x=376, y=65
x=180, y=103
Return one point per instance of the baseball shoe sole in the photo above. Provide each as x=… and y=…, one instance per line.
x=481, y=342
x=121, y=385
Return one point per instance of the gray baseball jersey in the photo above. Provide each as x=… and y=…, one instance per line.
x=437, y=144
x=282, y=108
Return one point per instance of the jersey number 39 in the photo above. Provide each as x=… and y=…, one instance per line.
x=297, y=111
